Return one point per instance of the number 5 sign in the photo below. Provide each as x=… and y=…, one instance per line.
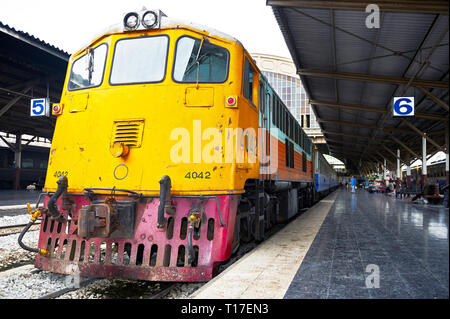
x=40, y=107
x=403, y=106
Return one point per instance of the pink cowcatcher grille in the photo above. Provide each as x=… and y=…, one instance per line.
x=154, y=254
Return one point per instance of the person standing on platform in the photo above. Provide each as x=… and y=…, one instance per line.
x=445, y=189
x=404, y=187
x=398, y=188
x=353, y=182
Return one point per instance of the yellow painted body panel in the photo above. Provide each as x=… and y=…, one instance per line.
x=84, y=131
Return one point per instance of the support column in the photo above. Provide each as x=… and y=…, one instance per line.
x=378, y=170
x=446, y=167
x=399, y=172
x=18, y=160
x=446, y=151
x=424, y=161
x=384, y=169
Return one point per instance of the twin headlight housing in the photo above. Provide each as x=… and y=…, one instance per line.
x=147, y=19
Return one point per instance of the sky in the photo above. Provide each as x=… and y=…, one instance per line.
x=69, y=25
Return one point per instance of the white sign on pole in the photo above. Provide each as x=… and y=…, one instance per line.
x=40, y=107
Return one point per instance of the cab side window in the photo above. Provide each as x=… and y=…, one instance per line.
x=249, y=73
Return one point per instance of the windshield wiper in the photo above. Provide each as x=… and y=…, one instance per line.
x=197, y=61
x=90, y=67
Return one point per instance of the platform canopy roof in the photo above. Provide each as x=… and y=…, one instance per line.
x=351, y=74
x=29, y=68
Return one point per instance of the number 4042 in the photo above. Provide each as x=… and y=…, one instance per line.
x=195, y=175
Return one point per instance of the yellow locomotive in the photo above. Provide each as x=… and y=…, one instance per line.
x=170, y=148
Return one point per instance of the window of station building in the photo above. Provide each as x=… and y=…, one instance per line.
x=27, y=163
x=198, y=60
x=43, y=163
x=308, y=120
x=249, y=73
x=139, y=60
x=87, y=71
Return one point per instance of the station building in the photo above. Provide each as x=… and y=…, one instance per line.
x=281, y=74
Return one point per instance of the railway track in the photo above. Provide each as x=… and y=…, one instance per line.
x=129, y=289
x=59, y=293
x=15, y=229
x=162, y=291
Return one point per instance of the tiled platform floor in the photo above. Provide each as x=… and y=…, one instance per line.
x=407, y=242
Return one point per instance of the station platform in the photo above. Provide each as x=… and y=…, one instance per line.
x=18, y=198
x=351, y=246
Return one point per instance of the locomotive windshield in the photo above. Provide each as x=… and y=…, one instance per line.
x=139, y=60
x=87, y=71
x=200, y=61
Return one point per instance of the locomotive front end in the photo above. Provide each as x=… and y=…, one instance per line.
x=128, y=191
x=125, y=235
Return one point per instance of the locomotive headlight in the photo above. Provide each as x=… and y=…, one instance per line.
x=149, y=19
x=131, y=21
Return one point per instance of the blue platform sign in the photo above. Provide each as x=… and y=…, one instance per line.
x=40, y=107
x=403, y=106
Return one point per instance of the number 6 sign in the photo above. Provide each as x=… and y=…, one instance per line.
x=40, y=107
x=403, y=106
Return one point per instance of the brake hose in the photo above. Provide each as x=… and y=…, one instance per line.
x=34, y=217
